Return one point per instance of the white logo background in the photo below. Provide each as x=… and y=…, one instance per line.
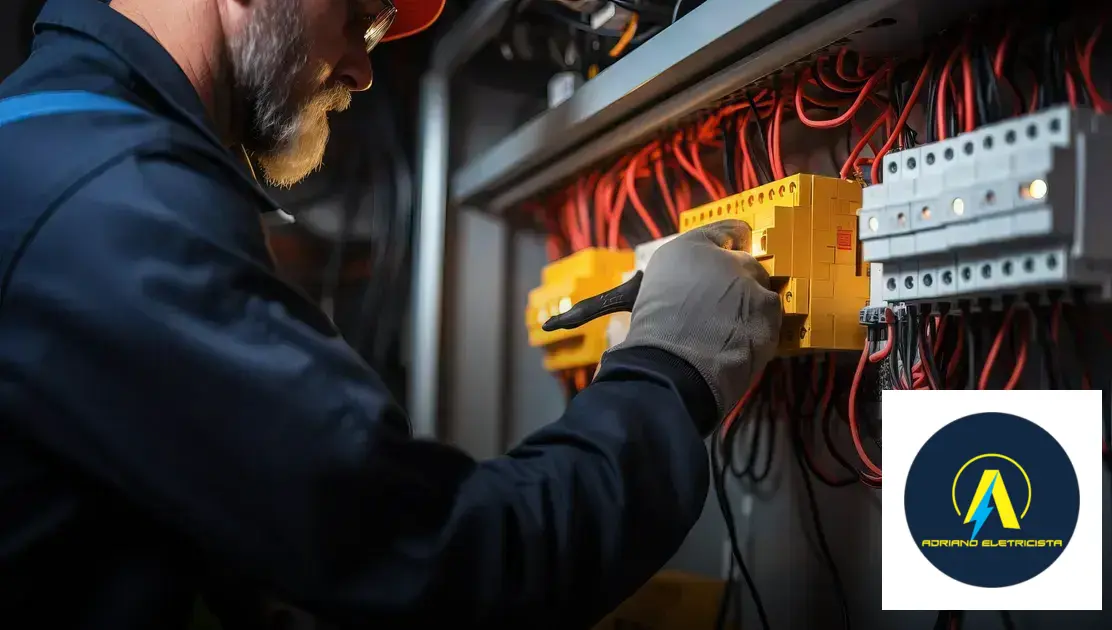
x=910, y=582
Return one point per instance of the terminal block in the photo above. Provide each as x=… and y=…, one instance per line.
x=805, y=235
x=1012, y=208
x=564, y=282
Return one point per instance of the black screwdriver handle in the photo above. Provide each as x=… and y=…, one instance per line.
x=619, y=299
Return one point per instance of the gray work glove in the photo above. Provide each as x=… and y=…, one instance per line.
x=708, y=303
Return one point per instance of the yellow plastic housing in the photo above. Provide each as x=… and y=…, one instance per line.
x=805, y=235
x=564, y=282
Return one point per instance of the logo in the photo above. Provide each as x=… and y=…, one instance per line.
x=991, y=500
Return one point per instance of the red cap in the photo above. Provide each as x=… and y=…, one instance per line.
x=413, y=17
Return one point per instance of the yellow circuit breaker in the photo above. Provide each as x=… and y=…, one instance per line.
x=564, y=282
x=805, y=235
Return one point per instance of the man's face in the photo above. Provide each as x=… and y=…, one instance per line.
x=292, y=62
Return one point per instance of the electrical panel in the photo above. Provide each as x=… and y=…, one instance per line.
x=805, y=235
x=564, y=282
x=1013, y=207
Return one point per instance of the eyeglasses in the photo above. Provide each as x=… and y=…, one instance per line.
x=380, y=24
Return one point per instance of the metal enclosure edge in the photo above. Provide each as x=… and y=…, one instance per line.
x=473, y=30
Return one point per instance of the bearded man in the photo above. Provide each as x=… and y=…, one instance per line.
x=171, y=410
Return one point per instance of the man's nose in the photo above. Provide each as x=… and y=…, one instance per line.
x=355, y=71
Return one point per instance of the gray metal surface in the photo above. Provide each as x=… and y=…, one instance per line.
x=470, y=32
x=693, y=46
x=428, y=254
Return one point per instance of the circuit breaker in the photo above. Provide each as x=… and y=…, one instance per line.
x=805, y=235
x=1014, y=207
x=618, y=326
x=564, y=282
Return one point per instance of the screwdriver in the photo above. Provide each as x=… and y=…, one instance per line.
x=729, y=234
x=620, y=299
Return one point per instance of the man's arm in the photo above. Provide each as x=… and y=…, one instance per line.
x=160, y=357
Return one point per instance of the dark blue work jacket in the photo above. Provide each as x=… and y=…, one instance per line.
x=169, y=407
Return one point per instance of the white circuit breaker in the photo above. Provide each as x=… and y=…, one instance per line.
x=618, y=327
x=1012, y=207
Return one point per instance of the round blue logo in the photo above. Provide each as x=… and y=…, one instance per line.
x=991, y=500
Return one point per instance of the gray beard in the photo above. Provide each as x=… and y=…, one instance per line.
x=287, y=113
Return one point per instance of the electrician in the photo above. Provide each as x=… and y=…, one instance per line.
x=169, y=406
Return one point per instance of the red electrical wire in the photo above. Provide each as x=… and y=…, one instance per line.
x=634, y=198
x=851, y=161
x=1085, y=63
x=855, y=433
x=774, y=139
x=685, y=164
x=751, y=178
x=1071, y=90
x=665, y=191
x=927, y=377
x=1001, y=52
x=943, y=87
x=732, y=416
x=969, y=118
x=1021, y=356
x=583, y=210
x=919, y=83
x=845, y=117
x=839, y=68
x=714, y=187
x=832, y=83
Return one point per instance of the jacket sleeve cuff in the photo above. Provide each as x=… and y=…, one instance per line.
x=642, y=362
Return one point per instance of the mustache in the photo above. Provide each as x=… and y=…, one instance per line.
x=332, y=99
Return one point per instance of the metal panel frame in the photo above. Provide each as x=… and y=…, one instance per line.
x=910, y=19
x=469, y=34
x=696, y=44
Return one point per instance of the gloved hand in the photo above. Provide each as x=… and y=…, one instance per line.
x=707, y=302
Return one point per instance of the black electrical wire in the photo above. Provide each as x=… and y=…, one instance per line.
x=798, y=423
x=828, y=438
x=731, y=530
x=729, y=598
x=759, y=475
x=731, y=437
x=980, y=99
x=901, y=84
x=1052, y=366
x=764, y=167
x=905, y=348
x=758, y=419
x=729, y=137
x=760, y=408
x=890, y=361
x=824, y=546
x=995, y=100
x=945, y=344
x=930, y=130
